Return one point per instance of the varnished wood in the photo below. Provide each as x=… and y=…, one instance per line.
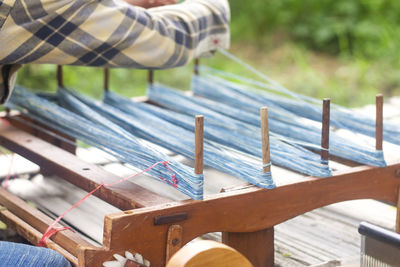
x=266, y=157
x=174, y=240
x=249, y=210
x=32, y=235
x=60, y=76
x=379, y=122
x=257, y=247
x=106, y=79
x=325, y=129
x=84, y=175
x=67, y=239
x=173, y=218
x=196, y=66
x=208, y=253
x=44, y=132
x=198, y=146
x=398, y=212
x=150, y=77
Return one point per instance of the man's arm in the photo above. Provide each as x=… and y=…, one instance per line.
x=111, y=33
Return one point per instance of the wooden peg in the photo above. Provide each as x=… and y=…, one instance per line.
x=266, y=157
x=325, y=129
x=60, y=76
x=106, y=79
x=198, y=146
x=398, y=212
x=196, y=66
x=379, y=122
x=150, y=78
x=174, y=240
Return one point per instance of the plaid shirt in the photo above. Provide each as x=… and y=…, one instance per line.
x=107, y=33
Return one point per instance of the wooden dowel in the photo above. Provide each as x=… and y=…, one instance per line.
x=198, y=147
x=266, y=157
x=398, y=212
x=325, y=129
x=379, y=122
x=196, y=66
x=60, y=76
x=106, y=79
x=150, y=78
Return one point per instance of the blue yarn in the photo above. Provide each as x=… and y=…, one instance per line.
x=106, y=136
x=309, y=107
x=179, y=140
x=300, y=159
x=283, y=122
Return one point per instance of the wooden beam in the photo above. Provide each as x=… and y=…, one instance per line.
x=226, y=211
x=39, y=221
x=32, y=235
x=84, y=175
x=257, y=247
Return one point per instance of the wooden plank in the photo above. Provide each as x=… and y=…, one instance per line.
x=257, y=247
x=84, y=175
x=43, y=132
x=174, y=240
x=68, y=240
x=258, y=206
x=32, y=235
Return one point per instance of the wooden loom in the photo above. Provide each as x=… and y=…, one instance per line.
x=156, y=226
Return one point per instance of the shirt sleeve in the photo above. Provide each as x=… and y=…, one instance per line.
x=112, y=33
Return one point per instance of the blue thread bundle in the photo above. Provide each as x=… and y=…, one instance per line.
x=306, y=106
x=220, y=130
x=107, y=136
x=283, y=125
x=158, y=131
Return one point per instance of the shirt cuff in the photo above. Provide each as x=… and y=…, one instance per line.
x=9, y=77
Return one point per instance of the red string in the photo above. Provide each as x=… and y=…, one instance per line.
x=51, y=230
x=6, y=122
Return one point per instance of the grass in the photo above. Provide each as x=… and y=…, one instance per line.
x=348, y=81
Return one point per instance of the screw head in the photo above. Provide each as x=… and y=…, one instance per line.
x=175, y=241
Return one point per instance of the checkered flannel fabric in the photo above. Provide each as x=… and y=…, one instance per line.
x=107, y=33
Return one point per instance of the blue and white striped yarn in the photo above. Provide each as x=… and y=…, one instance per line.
x=283, y=122
x=309, y=107
x=283, y=154
x=107, y=136
x=177, y=139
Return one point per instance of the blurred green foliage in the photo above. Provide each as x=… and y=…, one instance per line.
x=363, y=28
x=346, y=50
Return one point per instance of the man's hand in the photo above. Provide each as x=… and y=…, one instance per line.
x=151, y=3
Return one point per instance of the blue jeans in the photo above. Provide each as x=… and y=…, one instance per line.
x=16, y=255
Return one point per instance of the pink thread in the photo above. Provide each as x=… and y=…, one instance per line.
x=6, y=122
x=51, y=230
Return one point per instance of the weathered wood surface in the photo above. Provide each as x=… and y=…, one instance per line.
x=85, y=175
